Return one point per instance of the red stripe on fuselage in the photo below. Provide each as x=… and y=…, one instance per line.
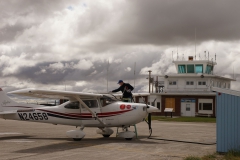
x=77, y=115
x=87, y=115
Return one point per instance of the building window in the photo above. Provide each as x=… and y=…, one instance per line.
x=199, y=68
x=181, y=69
x=189, y=83
x=172, y=83
x=158, y=105
x=213, y=84
x=187, y=107
x=224, y=85
x=190, y=68
x=200, y=83
x=205, y=106
x=219, y=84
x=208, y=69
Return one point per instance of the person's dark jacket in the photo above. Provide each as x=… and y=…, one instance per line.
x=126, y=89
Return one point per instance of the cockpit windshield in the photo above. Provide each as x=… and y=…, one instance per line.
x=106, y=100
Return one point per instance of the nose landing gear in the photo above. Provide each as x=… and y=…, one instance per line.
x=128, y=135
x=106, y=132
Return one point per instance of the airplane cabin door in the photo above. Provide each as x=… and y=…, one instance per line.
x=87, y=119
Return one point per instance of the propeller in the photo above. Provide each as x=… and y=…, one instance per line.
x=150, y=124
x=149, y=121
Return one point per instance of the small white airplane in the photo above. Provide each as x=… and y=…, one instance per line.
x=82, y=110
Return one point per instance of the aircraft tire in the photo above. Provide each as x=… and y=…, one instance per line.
x=128, y=139
x=106, y=135
x=77, y=139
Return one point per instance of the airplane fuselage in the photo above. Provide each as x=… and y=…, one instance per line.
x=116, y=114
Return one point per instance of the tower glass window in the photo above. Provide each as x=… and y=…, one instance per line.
x=208, y=69
x=190, y=68
x=199, y=68
x=181, y=69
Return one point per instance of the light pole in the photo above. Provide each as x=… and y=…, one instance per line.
x=149, y=79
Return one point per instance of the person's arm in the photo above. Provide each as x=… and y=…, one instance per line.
x=117, y=90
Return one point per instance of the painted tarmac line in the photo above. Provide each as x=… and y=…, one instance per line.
x=19, y=141
x=9, y=133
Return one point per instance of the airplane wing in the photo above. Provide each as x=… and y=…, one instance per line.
x=55, y=94
x=134, y=94
x=119, y=95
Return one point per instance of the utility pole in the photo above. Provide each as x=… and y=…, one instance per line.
x=107, y=74
x=134, y=74
x=152, y=80
x=156, y=85
x=149, y=80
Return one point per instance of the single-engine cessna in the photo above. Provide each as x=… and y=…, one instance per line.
x=82, y=110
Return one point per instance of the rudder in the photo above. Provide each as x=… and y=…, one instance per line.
x=5, y=100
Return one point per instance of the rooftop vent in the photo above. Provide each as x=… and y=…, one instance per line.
x=190, y=58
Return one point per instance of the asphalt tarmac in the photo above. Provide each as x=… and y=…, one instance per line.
x=170, y=140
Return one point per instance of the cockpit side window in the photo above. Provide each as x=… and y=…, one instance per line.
x=107, y=100
x=91, y=103
x=72, y=105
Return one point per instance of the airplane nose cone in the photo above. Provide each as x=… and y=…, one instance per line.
x=151, y=109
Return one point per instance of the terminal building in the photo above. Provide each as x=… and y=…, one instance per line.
x=188, y=91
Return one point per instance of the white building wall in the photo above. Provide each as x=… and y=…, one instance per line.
x=181, y=84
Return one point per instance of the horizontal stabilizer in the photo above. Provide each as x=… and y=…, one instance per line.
x=8, y=112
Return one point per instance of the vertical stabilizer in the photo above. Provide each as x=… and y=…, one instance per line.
x=5, y=100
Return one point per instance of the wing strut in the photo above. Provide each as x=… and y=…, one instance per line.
x=93, y=114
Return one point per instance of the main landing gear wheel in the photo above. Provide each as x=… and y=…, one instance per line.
x=106, y=136
x=128, y=139
x=77, y=139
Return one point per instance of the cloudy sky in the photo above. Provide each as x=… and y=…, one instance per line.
x=54, y=44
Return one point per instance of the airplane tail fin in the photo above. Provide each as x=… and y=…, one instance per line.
x=5, y=100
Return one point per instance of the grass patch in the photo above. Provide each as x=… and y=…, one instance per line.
x=210, y=157
x=185, y=119
x=192, y=158
x=230, y=155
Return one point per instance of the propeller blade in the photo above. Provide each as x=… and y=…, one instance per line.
x=149, y=121
x=150, y=124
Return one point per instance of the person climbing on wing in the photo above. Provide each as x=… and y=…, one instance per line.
x=126, y=89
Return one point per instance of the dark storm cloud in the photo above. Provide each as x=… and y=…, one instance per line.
x=50, y=38
x=97, y=74
x=8, y=32
x=164, y=22
x=17, y=16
